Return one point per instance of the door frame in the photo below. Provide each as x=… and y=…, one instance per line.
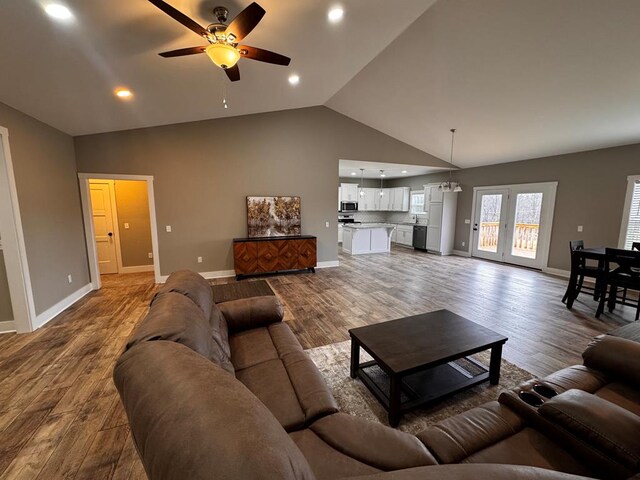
x=504, y=210
x=87, y=214
x=544, y=241
x=13, y=246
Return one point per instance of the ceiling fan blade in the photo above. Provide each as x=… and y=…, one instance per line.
x=180, y=17
x=233, y=73
x=182, y=51
x=246, y=21
x=263, y=55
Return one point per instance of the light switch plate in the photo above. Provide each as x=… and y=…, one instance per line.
x=150, y=254
x=326, y=224
x=168, y=228
x=126, y=226
x=579, y=228
x=467, y=221
x=199, y=259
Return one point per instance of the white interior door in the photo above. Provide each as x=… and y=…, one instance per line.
x=103, y=222
x=489, y=223
x=513, y=225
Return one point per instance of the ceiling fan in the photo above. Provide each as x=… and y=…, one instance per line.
x=223, y=48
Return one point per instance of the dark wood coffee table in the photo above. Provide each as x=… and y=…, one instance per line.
x=420, y=359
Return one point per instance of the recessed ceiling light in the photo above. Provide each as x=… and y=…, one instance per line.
x=123, y=93
x=404, y=171
x=335, y=15
x=294, y=79
x=58, y=11
x=353, y=173
x=382, y=175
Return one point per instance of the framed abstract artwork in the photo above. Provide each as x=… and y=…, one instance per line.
x=273, y=216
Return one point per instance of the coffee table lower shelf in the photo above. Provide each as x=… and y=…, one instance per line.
x=426, y=386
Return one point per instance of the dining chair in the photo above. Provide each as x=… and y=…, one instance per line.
x=635, y=246
x=580, y=270
x=625, y=276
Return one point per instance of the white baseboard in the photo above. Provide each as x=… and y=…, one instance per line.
x=207, y=275
x=328, y=264
x=557, y=271
x=461, y=253
x=61, y=306
x=137, y=269
x=7, y=326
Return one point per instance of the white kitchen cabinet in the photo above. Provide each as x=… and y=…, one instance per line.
x=339, y=198
x=433, y=194
x=441, y=207
x=349, y=192
x=368, y=203
x=400, y=199
x=405, y=235
x=340, y=232
x=384, y=200
x=394, y=235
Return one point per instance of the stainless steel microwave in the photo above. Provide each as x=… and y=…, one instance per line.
x=348, y=206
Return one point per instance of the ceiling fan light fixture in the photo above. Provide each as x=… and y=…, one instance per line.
x=223, y=55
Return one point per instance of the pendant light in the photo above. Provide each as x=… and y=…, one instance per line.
x=450, y=185
x=381, y=179
x=361, y=193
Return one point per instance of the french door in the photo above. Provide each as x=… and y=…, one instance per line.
x=512, y=223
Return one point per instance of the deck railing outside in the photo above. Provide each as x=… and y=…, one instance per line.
x=525, y=238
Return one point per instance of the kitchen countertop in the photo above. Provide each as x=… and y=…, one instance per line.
x=365, y=226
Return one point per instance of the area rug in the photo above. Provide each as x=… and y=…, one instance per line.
x=354, y=398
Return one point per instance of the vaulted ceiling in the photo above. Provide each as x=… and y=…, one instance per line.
x=518, y=78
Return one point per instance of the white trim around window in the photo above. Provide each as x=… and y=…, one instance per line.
x=632, y=181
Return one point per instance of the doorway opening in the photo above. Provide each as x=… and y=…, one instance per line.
x=121, y=233
x=512, y=223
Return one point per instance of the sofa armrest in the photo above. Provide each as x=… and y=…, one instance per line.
x=606, y=426
x=372, y=443
x=458, y=437
x=471, y=472
x=249, y=313
x=615, y=356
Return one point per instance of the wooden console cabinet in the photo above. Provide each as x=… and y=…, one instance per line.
x=254, y=256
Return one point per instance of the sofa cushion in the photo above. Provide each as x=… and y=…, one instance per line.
x=270, y=382
x=532, y=448
x=576, y=376
x=175, y=318
x=472, y=472
x=252, y=347
x=219, y=329
x=372, y=443
x=327, y=462
x=622, y=395
x=189, y=419
x=617, y=357
x=191, y=285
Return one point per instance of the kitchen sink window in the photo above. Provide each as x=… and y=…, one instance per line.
x=417, y=202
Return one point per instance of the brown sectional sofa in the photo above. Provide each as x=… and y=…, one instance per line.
x=226, y=391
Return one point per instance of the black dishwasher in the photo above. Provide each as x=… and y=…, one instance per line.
x=420, y=237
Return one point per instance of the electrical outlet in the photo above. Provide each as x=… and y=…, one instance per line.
x=150, y=254
x=168, y=228
x=199, y=259
x=579, y=228
x=70, y=278
x=326, y=224
x=463, y=244
x=126, y=226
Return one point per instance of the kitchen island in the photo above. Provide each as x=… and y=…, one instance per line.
x=367, y=238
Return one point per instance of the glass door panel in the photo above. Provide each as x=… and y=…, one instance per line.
x=491, y=207
x=527, y=225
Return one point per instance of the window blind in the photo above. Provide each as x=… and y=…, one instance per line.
x=633, y=227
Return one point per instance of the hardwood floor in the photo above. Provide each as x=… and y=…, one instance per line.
x=60, y=415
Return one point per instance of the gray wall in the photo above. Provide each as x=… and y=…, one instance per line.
x=45, y=174
x=591, y=192
x=6, y=312
x=204, y=170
